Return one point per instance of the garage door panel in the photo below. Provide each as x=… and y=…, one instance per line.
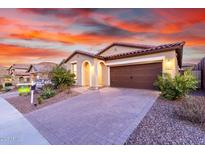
x=135, y=76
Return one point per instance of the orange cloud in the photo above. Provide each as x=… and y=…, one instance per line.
x=170, y=28
x=83, y=38
x=176, y=20
x=191, y=40
x=168, y=21
x=134, y=26
x=4, y=21
x=14, y=54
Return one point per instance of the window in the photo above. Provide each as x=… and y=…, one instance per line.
x=74, y=69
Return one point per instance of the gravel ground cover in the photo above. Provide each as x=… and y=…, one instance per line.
x=162, y=126
x=22, y=103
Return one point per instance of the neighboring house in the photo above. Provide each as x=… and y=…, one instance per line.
x=4, y=76
x=41, y=70
x=18, y=73
x=125, y=65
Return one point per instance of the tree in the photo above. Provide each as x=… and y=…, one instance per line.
x=62, y=78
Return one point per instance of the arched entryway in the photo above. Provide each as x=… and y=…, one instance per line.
x=101, y=74
x=86, y=73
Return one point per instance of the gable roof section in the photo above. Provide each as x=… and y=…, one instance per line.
x=42, y=67
x=141, y=46
x=19, y=66
x=98, y=54
x=178, y=47
x=78, y=52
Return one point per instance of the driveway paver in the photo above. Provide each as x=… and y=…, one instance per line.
x=105, y=116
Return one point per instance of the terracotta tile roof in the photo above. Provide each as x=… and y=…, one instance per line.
x=161, y=48
x=141, y=46
x=164, y=47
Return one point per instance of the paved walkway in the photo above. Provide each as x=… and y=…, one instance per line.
x=15, y=129
x=105, y=116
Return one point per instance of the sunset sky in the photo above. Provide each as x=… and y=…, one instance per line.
x=36, y=35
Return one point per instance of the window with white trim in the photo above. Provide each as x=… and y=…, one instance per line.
x=74, y=69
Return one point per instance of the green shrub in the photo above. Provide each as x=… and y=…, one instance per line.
x=62, y=78
x=192, y=108
x=8, y=84
x=48, y=86
x=40, y=100
x=177, y=87
x=47, y=92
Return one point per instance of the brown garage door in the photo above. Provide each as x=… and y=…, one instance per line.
x=140, y=76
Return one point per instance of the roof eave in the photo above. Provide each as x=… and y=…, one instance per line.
x=178, y=50
x=125, y=45
x=77, y=52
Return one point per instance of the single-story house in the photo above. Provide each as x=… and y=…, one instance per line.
x=41, y=70
x=18, y=73
x=125, y=65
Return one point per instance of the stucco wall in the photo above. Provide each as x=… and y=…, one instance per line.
x=79, y=59
x=104, y=73
x=94, y=70
x=118, y=50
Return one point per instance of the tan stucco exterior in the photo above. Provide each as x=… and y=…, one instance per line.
x=79, y=59
x=99, y=72
x=93, y=63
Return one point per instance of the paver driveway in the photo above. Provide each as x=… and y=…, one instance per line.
x=105, y=116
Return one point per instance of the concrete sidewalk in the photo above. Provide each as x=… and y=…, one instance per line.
x=15, y=129
x=9, y=94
